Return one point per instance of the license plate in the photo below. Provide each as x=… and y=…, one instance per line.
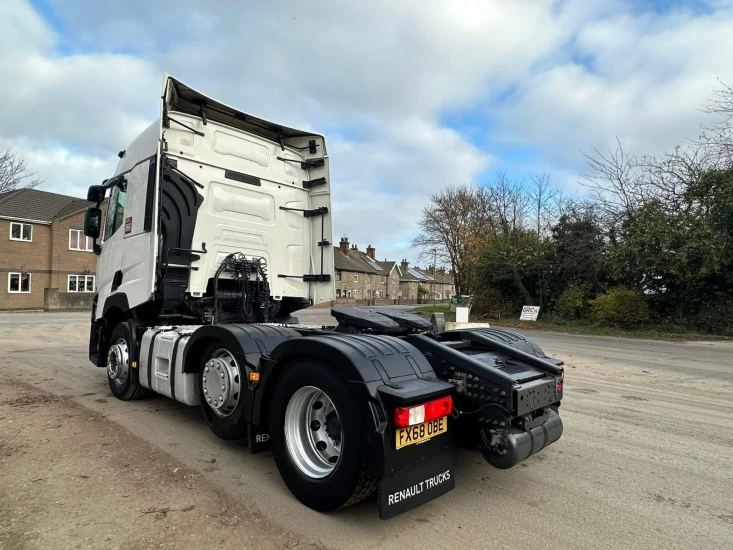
x=421, y=432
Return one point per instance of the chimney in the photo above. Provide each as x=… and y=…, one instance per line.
x=431, y=269
x=354, y=247
x=441, y=271
x=344, y=245
x=404, y=265
x=371, y=252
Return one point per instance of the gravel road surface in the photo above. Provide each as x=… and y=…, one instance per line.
x=646, y=460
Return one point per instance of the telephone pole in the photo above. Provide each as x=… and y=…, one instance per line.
x=435, y=270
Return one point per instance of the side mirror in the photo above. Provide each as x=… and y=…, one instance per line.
x=96, y=194
x=92, y=222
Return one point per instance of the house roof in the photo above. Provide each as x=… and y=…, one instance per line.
x=363, y=259
x=343, y=262
x=356, y=260
x=415, y=274
x=39, y=206
x=387, y=267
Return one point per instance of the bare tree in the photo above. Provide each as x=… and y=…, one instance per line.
x=453, y=226
x=544, y=199
x=615, y=183
x=718, y=137
x=667, y=177
x=509, y=203
x=14, y=173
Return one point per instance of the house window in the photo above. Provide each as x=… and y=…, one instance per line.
x=356, y=277
x=348, y=294
x=356, y=293
x=81, y=283
x=21, y=231
x=338, y=293
x=19, y=282
x=338, y=275
x=79, y=241
x=384, y=278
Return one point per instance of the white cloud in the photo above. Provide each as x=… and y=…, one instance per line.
x=376, y=77
x=643, y=80
x=61, y=170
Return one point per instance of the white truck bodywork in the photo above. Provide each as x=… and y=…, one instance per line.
x=223, y=152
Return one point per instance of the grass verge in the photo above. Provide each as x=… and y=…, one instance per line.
x=576, y=327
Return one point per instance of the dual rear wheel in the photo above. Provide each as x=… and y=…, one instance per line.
x=316, y=428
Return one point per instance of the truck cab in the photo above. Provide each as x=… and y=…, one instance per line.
x=200, y=183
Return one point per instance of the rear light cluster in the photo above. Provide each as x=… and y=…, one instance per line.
x=432, y=410
x=560, y=382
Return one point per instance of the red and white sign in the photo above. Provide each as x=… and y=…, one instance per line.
x=128, y=225
x=529, y=313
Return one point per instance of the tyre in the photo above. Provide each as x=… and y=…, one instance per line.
x=123, y=380
x=222, y=385
x=318, y=437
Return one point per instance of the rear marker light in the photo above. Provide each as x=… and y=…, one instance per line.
x=432, y=410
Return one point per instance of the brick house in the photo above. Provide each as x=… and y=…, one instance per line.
x=416, y=283
x=360, y=276
x=46, y=261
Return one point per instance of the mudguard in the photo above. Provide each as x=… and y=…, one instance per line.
x=248, y=343
x=384, y=372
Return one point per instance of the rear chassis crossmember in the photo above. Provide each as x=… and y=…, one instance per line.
x=507, y=391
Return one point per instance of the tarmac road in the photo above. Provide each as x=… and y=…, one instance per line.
x=646, y=460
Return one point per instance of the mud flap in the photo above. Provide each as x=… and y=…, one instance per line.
x=415, y=487
x=257, y=441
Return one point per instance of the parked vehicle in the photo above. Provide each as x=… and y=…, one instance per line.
x=217, y=229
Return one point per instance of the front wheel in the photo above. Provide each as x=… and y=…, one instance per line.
x=318, y=437
x=123, y=379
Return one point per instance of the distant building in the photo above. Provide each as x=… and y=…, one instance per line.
x=425, y=284
x=46, y=261
x=360, y=276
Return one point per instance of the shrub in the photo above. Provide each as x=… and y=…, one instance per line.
x=572, y=303
x=620, y=307
x=716, y=317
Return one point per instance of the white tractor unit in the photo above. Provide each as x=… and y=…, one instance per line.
x=217, y=228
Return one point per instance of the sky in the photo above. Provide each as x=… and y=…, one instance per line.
x=411, y=95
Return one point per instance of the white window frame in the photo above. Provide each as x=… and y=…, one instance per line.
x=79, y=240
x=338, y=275
x=20, y=286
x=84, y=278
x=21, y=224
x=356, y=277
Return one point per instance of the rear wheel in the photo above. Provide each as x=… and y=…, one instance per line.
x=222, y=385
x=318, y=437
x=123, y=379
